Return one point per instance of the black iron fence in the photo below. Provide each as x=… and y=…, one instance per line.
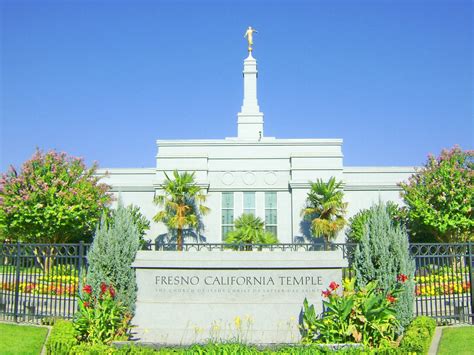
x=444, y=281
x=42, y=281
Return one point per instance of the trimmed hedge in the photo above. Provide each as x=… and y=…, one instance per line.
x=63, y=341
x=418, y=335
x=62, y=338
x=91, y=349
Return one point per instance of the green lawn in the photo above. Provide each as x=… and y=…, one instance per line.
x=20, y=339
x=459, y=341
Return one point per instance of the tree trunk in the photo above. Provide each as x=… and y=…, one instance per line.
x=326, y=242
x=45, y=257
x=179, y=239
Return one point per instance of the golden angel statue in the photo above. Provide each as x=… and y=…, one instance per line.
x=249, y=35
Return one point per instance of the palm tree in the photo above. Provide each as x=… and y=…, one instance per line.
x=325, y=208
x=182, y=202
x=250, y=230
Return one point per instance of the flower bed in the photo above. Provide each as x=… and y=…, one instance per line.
x=442, y=284
x=56, y=285
x=442, y=288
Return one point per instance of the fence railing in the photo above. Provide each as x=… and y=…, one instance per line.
x=41, y=281
x=444, y=281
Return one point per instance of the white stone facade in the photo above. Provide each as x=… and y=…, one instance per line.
x=258, y=167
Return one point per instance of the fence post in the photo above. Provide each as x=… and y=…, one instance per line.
x=81, y=258
x=471, y=278
x=17, y=282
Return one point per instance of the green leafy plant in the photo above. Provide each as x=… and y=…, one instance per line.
x=366, y=315
x=64, y=270
x=440, y=197
x=250, y=229
x=111, y=255
x=182, y=202
x=101, y=319
x=325, y=208
x=53, y=199
x=382, y=254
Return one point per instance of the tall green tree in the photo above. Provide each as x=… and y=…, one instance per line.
x=111, y=255
x=182, y=202
x=440, y=197
x=250, y=230
x=325, y=208
x=54, y=198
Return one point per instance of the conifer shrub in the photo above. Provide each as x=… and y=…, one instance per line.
x=357, y=222
x=383, y=255
x=112, y=252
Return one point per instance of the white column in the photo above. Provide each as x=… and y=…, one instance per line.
x=250, y=119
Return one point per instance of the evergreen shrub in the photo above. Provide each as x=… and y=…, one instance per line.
x=357, y=222
x=383, y=255
x=112, y=252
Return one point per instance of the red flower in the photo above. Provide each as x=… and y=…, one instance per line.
x=112, y=292
x=87, y=289
x=333, y=286
x=103, y=288
x=86, y=304
x=326, y=293
x=402, y=277
x=391, y=299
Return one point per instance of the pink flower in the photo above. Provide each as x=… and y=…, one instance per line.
x=87, y=289
x=326, y=293
x=333, y=285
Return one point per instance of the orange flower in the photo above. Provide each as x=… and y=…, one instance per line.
x=391, y=299
x=402, y=278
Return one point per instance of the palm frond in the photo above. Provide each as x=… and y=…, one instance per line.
x=325, y=208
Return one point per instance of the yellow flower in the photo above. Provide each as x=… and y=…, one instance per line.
x=237, y=322
x=198, y=330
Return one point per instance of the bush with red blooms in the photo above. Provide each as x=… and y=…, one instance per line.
x=366, y=315
x=101, y=319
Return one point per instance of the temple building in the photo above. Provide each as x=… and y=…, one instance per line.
x=252, y=173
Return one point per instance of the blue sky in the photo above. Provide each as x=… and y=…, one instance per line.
x=105, y=79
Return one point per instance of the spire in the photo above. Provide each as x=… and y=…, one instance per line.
x=250, y=119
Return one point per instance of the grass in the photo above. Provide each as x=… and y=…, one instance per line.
x=459, y=341
x=20, y=339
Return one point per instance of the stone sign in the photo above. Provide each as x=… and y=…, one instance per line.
x=254, y=297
